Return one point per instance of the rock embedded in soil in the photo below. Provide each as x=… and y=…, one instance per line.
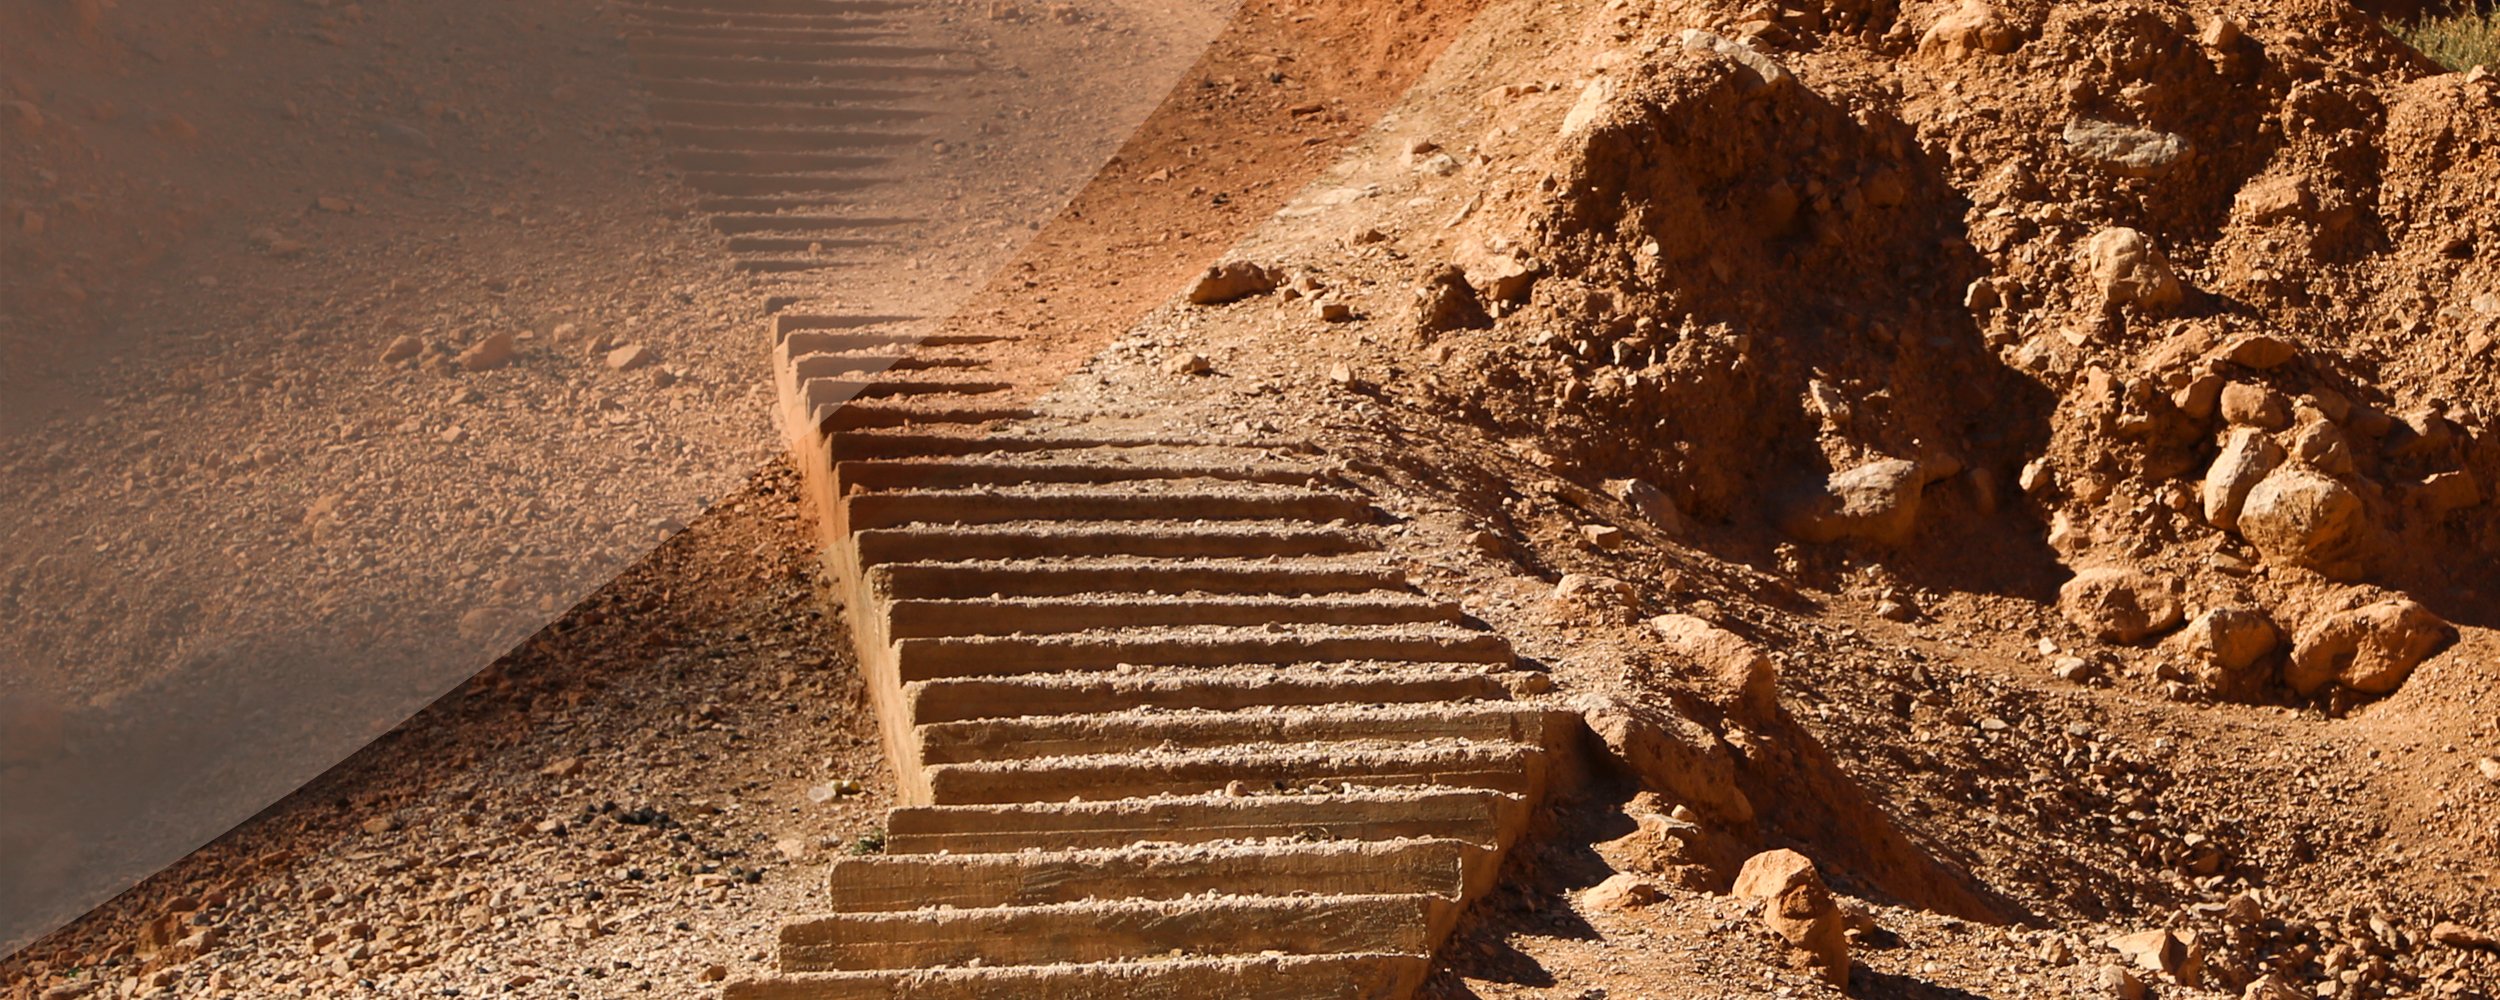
x=402, y=349
x=1973, y=29
x=2245, y=460
x=1876, y=502
x=2245, y=405
x=2124, y=149
x=2120, y=605
x=1232, y=281
x=1673, y=756
x=2231, y=640
x=630, y=357
x=1446, y=302
x=2128, y=269
x=1799, y=908
x=2371, y=649
x=493, y=352
x=2296, y=517
x=1621, y=891
x=1742, y=675
x=1764, y=71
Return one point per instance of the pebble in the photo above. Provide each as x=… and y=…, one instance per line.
x=402, y=349
x=493, y=352
x=2490, y=768
x=630, y=357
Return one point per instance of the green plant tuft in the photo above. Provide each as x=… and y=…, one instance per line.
x=2460, y=40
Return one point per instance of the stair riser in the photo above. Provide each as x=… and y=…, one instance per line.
x=966, y=784
x=888, y=510
x=898, y=883
x=1333, y=977
x=1002, y=740
x=975, y=698
x=932, y=659
x=1385, y=924
x=1475, y=818
x=906, y=545
x=941, y=581
x=924, y=619
x=875, y=475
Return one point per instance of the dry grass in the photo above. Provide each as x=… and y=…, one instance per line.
x=2460, y=40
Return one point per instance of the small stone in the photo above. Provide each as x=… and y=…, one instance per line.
x=1446, y=302
x=566, y=767
x=1502, y=278
x=1486, y=542
x=1232, y=281
x=2130, y=270
x=402, y=349
x=1192, y=364
x=2120, y=983
x=381, y=824
x=2125, y=150
x=1877, y=502
x=1766, y=71
x=334, y=204
x=2247, y=405
x=791, y=848
x=715, y=972
x=493, y=352
x=1651, y=503
x=1437, y=164
x=1603, y=536
x=1621, y=891
x=630, y=357
x=2370, y=649
x=1334, y=311
x=2232, y=639
x=2445, y=493
x=2489, y=768
x=2245, y=460
x=2118, y=604
x=1596, y=591
x=2073, y=669
x=2153, y=951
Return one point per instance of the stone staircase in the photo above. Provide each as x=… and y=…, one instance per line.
x=1165, y=722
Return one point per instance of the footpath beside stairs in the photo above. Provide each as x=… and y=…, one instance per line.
x=1165, y=723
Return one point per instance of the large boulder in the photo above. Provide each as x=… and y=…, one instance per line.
x=2119, y=605
x=2370, y=649
x=2230, y=641
x=1876, y=502
x=2296, y=517
x=1799, y=908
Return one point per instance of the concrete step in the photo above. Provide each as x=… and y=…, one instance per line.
x=1140, y=501
x=1111, y=930
x=896, y=882
x=1278, y=977
x=1504, y=767
x=962, y=473
x=1063, y=577
x=1079, y=613
x=1476, y=816
x=752, y=138
x=1000, y=656
x=851, y=70
x=1159, y=539
x=1200, y=688
x=1027, y=737
x=783, y=115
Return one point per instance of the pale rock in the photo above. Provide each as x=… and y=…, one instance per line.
x=2245, y=460
x=2456, y=935
x=2271, y=987
x=1741, y=672
x=2121, y=983
x=2246, y=405
x=1621, y=891
x=2128, y=151
x=1651, y=503
x=2260, y=351
x=2128, y=269
x=493, y=352
x=2296, y=517
x=1595, y=591
x=630, y=357
x=1604, y=536
x=2489, y=768
x=402, y=349
x=2199, y=396
x=1192, y=364
x=1502, y=278
x=2118, y=604
x=2272, y=199
x=1876, y=502
x=1798, y=907
x=2232, y=639
x=1974, y=28
x=1231, y=281
x=1766, y=71
x=1592, y=103
x=2321, y=445
x=1674, y=756
x=2370, y=649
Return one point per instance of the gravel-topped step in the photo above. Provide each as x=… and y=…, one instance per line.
x=772, y=162
x=1026, y=737
x=769, y=92
x=956, y=440
x=775, y=8
x=1277, y=977
x=1111, y=930
x=894, y=882
x=761, y=138
x=1142, y=500
x=1442, y=763
x=1121, y=574
x=821, y=48
x=752, y=184
x=863, y=68
x=855, y=29
x=1061, y=467
x=912, y=382
x=1084, y=612
x=1193, y=687
x=1155, y=539
x=860, y=365
x=646, y=15
x=1466, y=814
x=911, y=411
x=996, y=656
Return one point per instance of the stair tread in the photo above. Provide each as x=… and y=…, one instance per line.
x=1269, y=977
